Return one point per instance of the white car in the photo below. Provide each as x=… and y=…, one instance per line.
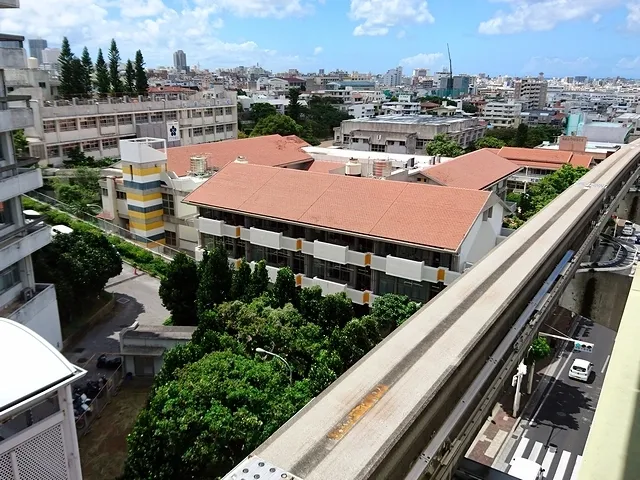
x=580, y=370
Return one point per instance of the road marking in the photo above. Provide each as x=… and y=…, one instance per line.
x=576, y=468
x=520, y=448
x=562, y=465
x=496, y=443
x=606, y=362
x=537, y=447
x=544, y=399
x=548, y=458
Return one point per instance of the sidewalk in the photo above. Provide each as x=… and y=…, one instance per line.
x=501, y=428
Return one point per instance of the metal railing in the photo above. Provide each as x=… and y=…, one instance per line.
x=100, y=401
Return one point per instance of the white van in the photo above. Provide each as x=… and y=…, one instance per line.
x=580, y=370
x=524, y=469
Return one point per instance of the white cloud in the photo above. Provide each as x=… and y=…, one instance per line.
x=633, y=15
x=401, y=34
x=262, y=8
x=596, y=18
x=540, y=15
x=628, y=63
x=421, y=60
x=317, y=50
x=149, y=25
x=559, y=65
x=378, y=16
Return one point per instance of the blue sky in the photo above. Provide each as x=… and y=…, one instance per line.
x=517, y=37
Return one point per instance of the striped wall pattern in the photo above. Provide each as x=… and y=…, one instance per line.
x=144, y=201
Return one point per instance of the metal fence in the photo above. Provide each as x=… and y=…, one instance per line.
x=160, y=250
x=99, y=403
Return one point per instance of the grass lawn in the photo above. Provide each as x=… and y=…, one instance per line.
x=103, y=450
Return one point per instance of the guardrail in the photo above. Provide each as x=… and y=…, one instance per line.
x=99, y=402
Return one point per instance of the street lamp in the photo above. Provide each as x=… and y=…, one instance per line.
x=262, y=350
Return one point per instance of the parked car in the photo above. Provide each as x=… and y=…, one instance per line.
x=628, y=230
x=580, y=370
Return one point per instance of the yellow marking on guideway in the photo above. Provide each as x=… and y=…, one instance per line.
x=358, y=412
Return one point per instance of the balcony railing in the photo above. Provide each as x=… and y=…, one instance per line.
x=26, y=306
x=16, y=181
x=23, y=242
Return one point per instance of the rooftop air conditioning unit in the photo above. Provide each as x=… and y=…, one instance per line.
x=27, y=294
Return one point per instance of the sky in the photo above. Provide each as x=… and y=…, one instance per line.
x=598, y=38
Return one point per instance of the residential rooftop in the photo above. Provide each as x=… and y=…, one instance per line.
x=417, y=214
x=409, y=119
x=544, y=158
x=270, y=150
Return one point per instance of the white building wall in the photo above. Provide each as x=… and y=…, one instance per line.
x=41, y=315
x=481, y=237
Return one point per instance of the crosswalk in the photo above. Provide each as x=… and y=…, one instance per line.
x=557, y=464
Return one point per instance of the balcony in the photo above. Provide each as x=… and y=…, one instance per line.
x=15, y=118
x=24, y=242
x=26, y=180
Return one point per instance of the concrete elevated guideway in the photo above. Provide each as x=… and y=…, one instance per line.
x=388, y=416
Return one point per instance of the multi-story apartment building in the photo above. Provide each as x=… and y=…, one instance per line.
x=36, y=46
x=359, y=110
x=393, y=77
x=21, y=299
x=531, y=92
x=405, y=133
x=502, y=114
x=96, y=127
x=180, y=60
x=400, y=108
x=361, y=236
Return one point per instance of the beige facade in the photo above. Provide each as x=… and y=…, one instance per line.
x=502, y=114
x=531, y=92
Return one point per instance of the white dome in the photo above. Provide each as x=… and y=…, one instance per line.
x=30, y=364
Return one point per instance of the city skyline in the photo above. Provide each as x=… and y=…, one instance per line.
x=515, y=37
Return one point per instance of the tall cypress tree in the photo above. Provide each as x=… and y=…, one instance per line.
x=66, y=70
x=87, y=73
x=142, y=82
x=129, y=78
x=102, y=75
x=114, y=75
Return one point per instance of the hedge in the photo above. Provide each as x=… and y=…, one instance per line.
x=137, y=256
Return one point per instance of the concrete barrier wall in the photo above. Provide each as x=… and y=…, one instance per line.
x=600, y=296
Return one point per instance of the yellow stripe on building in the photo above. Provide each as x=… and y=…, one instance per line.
x=145, y=216
x=141, y=171
x=144, y=197
x=146, y=226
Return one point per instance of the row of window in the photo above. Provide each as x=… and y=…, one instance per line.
x=210, y=130
x=9, y=277
x=119, y=195
x=88, y=146
x=71, y=124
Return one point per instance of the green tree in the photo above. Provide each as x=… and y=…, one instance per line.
x=129, y=78
x=444, y=146
x=284, y=289
x=294, y=109
x=20, y=143
x=114, y=69
x=310, y=302
x=81, y=192
x=540, y=349
x=87, y=72
x=276, y=124
x=322, y=117
x=336, y=312
x=103, y=82
x=520, y=140
x=178, y=290
x=259, y=279
x=489, y=142
x=68, y=83
x=215, y=412
x=216, y=278
x=505, y=134
x=241, y=284
x=353, y=341
x=79, y=264
x=469, y=107
x=393, y=99
x=262, y=110
x=142, y=81
x=391, y=311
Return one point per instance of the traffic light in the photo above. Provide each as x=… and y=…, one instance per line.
x=582, y=347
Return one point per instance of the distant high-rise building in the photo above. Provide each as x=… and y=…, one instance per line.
x=420, y=72
x=321, y=71
x=393, y=77
x=180, y=60
x=36, y=46
x=50, y=58
x=531, y=92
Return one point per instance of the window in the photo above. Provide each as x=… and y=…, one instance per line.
x=9, y=277
x=355, y=140
x=108, y=121
x=228, y=111
x=88, y=122
x=170, y=238
x=363, y=278
x=219, y=128
x=196, y=113
x=121, y=195
x=156, y=117
x=378, y=148
x=298, y=262
x=125, y=120
x=333, y=272
x=402, y=143
x=53, y=151
x=391, y=142
x=105, y=192
x=230, y=127
x=142, y=118
x=197, y=131
x=109, y=143
x=274, y=258
x=67, y=125
x=167, y=204
x=208, y=112
x=6, y=218
x=67, y=149
x=416, y=291
x=42, y=85
x=49, y=126
x=171, y=115
x=92, y=146
x=419, y=143
x=487, y=214
x=209, y=130
x=218, y=111
x=208, y=240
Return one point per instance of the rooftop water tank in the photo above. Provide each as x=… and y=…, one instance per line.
x=198, y=164
x=353, y=168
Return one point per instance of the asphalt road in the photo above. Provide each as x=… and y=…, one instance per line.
x=556, y=428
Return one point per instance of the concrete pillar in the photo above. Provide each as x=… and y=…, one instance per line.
x=70, y=435
x=530, y=373
x=308, y=266
x=353, y=272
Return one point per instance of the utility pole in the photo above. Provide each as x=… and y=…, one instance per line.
x=516, y=381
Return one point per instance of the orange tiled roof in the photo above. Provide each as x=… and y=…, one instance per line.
x=536, y=157
x=476, y=170
x=414, y=213
x=320, y=166
x=270, y=150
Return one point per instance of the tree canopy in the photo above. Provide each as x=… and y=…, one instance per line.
x=178, y=290
x=525, y=136
x=117, y=87
x=262, y=110
x=103, y=81
x=489, y=142
x=282, y=125
x=142, y=81
x=81, y=192
x=444, y=146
